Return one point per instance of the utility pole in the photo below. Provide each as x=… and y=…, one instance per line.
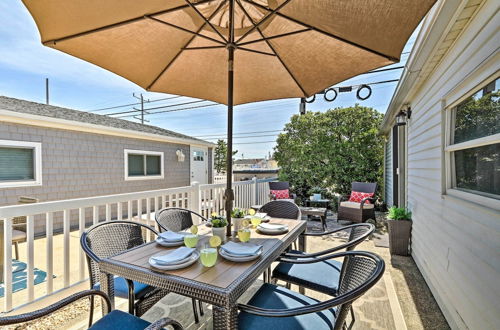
x=47, y=90
x=141, y=98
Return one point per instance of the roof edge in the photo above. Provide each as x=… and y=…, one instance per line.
x=433, y=28
x=59, y=123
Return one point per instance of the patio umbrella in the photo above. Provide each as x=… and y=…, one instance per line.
x=231, y=51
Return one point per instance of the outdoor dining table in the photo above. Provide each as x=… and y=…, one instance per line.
x=220, y=285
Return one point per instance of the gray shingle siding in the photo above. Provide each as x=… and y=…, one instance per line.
x=33, y=108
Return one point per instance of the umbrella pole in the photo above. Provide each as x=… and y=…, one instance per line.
x=229, y=194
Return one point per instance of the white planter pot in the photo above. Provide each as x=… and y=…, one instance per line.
x=221, y=232
x=237, y=223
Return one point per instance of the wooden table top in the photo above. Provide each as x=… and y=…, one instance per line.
x=224, y=272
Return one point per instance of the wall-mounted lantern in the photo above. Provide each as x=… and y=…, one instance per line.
x=403, y=116
x=180, y=156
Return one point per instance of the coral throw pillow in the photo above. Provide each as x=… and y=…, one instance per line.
x=357, y=196
x=281, y=194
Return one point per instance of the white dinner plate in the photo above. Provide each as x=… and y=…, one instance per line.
x=162, y=242
x=189, y=261
x=234, y=258
x=272, y=231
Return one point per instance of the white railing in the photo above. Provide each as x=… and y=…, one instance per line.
x=72, y=217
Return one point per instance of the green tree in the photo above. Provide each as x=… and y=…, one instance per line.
x=331, y=149
x=220, y=156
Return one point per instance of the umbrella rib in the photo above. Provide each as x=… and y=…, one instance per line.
x=206, y=20
x=186, y=45
x=203, y=47
x=391, y=58
x=110, y=26
x=272, y=49
x=256, y=25
x=257, y=51
x=274, y=37
x=195, y=33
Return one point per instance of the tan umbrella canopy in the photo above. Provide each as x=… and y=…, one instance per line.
x=231, y=51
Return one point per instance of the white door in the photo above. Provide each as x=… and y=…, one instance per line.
x=199, y=161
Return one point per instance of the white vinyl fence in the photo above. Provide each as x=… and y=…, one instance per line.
x=78, y=214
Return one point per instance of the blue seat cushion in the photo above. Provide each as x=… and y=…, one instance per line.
x=270, y=296
x=121, y=288
x=321, y=276
x=120, y=320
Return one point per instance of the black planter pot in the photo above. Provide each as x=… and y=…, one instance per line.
x=399, y=236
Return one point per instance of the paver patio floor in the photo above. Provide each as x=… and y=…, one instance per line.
x=400, y=300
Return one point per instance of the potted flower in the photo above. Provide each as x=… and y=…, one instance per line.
x=237, y=217
x=219, y=224
x=399, y=225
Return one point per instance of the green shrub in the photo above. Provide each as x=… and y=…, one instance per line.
x=218, y=221
x=330, y=150
x=238, y=213
x=398, y=213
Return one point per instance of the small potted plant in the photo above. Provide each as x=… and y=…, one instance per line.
x=237, y=217
x=399, y=225
x=316, y=193
x=219, y=224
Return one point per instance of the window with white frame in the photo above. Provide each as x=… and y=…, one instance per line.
x=20, y=163
x=140, y=164
x=473, y=151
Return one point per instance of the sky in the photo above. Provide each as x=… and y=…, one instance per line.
x=76, y=84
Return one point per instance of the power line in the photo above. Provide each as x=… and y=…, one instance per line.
x=254, y=142
x=241, y=137
x=137, y=103
x=155, y=108
x=278, y=130
x=173, y=110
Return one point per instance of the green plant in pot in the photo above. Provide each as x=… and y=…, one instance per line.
x=219, y=224
x=237, y=217
x=399, y=225
x=316, y=193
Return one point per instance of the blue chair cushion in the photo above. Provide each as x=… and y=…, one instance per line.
x=120, y=320
x=270, y=296
x=121, y=288
x=321, y=276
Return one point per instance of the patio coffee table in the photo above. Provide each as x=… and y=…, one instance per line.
x=220, y=286
x=316, y=212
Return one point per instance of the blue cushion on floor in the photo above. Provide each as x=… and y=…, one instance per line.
x=121, y=288
x=274, y=297
x=320, y=276
x=120, y=320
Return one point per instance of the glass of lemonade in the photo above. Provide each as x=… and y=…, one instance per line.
x=244, y=234
x=208, y=256
x=191, y=240
x=256, y=221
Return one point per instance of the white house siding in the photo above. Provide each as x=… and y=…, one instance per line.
x=388, y=172
x=455, y=243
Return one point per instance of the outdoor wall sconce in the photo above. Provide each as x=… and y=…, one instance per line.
x=403, y=116
x=180, y=156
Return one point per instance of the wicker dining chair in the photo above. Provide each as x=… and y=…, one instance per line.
x=275, y=307
x=112, y=320
x=281, y=209
x=106, y=239
x=358, y=212
x=310, y=276
x=281, y=185
x=177, y=219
